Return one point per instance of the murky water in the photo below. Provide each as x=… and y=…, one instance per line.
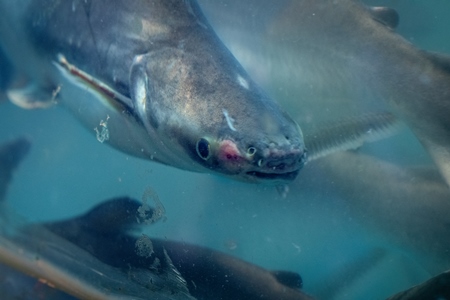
x=329, y=226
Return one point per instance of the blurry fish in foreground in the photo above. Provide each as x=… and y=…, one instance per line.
x=337, y=57
x=34, y=250
x=39, y=253
x=209, y=274
x=95, y=257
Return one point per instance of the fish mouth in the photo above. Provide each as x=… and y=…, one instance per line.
x=288, y=176
x=279, y=168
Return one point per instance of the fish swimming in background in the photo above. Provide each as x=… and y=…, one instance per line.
x=328, y=58
x=408, y=207
x=156, y=71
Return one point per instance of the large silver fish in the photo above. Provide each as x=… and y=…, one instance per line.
x=156, y=80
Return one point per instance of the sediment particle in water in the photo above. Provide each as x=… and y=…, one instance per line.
x=144, y=246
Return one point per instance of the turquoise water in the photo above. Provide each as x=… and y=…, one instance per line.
x=313, y=230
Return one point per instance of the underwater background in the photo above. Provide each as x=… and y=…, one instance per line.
x=337, y=248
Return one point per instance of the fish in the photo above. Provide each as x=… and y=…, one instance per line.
x=326, y=58
x=155, y=79
x=406, y=207
x=95, y=256
x=36, y=252
x=104, y=232
x=34, y=259
x=437, y=287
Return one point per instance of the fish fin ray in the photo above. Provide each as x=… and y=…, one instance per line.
x=350, y=133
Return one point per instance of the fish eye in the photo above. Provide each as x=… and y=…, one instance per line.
x=251, y=150
x=203, y=148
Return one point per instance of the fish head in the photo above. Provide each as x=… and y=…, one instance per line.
x=254, y=144
x=209, y=111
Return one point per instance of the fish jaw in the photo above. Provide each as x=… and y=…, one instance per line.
x=273, y=164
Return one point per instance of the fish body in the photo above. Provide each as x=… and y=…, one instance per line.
x=97, y=256
x=326, y=58
x=209, y=274
x=156, y=71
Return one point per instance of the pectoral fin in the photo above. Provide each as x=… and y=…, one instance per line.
x=290, y=279
x=33, y=96
x=350, y=134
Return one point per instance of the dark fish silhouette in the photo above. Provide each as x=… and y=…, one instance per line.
x=209, y=274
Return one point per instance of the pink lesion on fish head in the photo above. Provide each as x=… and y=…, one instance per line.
x=229, y=156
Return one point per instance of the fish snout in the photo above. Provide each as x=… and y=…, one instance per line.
x=279, y=162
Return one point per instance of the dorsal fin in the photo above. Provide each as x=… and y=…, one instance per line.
x=113, y=215
x=290, y=279
x=385, y=15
